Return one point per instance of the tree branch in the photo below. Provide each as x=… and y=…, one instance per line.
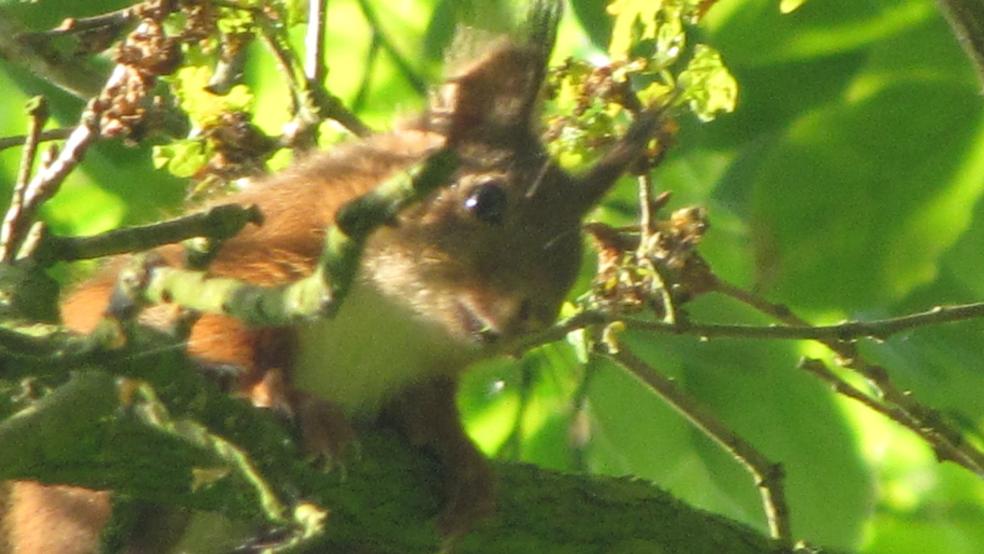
x=314, y=42
x=768, y=474
x=322, y=292
x=218, y=223
x=78, y=78
x=384, y=502
x=18, y=140
x=966, y=18
x=898, y=405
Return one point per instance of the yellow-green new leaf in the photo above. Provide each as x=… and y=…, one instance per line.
x=707, y=85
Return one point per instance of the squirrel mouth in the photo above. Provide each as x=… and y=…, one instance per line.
x=476, y=326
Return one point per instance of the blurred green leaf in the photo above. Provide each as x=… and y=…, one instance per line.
x=202, y=106
x=855, y=185
x=182, y=158
x=788, y=6
x=593, y=17
x=760, y=35
x=707, y=85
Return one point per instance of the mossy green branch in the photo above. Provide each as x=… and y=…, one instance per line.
x=217, y=224
x=357, y=219
x=385, y=502
x=323, y=291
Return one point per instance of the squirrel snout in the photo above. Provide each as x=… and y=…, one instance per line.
x=490, y=320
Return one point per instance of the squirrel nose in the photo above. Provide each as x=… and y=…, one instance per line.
x=532, y=315
x=525, y=311
x=499, y=317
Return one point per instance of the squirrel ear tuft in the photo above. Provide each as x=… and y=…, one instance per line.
x=494, y=96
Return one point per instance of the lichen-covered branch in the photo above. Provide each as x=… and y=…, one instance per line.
x=218, y=223
x=322, y=292
x=538, y=510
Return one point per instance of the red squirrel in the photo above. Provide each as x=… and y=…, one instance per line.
x=485, y=259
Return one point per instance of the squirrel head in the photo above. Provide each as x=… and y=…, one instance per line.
x=492, y=255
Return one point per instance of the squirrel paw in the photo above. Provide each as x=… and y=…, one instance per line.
x=326, y=435
x=469, y=497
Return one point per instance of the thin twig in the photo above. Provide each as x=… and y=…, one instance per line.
x=768, y=475
x=314, y=42
x=310, y=100
x=37, y=111
x=70, y=74
x=48, y=179
x=927, y=423
x=115, y=19
x=646, y=205
x=966, y=18
x=511, y=448
x=232, y=59
x=897, y=405
x=580, y=426
x=359, y=100
x=218, y=223
x=45, y=136
x=840, y=386
x=850, y=330
x=283, y=56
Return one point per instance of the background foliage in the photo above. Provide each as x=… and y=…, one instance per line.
x=847, y=184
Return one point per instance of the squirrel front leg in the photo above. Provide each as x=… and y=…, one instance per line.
x=427, y=415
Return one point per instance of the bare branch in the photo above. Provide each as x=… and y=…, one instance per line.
x=847, y=331
x=768, y=474
x=896, y=405
x=314, y=42
x=927, y=423
x=966, y=18
x=72, y=75
x=37, y=110
x=312, y=102
x=45, y=136
x=218, y=223
x=46, y=182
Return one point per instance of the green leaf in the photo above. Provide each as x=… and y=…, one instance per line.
x=844, y=189
x=594, y=20
x=204, y=107
x=754, y=32
x=707, y=85
x=789, y=6
x=182, y=158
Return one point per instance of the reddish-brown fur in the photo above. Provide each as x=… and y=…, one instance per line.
x=297, y=205
x=469, y=282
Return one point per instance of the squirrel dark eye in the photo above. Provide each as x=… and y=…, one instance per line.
x=487, y=202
